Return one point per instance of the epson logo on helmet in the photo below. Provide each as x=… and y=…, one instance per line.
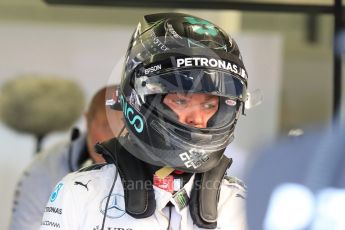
x=152, y=69
x=210, y=62
x=134, y=119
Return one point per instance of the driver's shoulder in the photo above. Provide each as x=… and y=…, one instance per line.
x=89, y=177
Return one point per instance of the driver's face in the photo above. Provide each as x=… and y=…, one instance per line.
x=193, y=109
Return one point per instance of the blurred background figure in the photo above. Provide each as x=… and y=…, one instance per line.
x=40, y=104
x=299, y=184
x=50, y=166
x=239, y=167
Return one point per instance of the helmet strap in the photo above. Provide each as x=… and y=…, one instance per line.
x=164, y=172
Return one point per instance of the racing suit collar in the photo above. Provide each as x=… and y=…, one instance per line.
x=163, y=197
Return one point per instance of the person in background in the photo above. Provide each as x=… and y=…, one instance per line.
x=240, y=167
x=299, y=183
x=50, y=166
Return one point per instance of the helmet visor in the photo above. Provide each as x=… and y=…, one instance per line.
x=207, y=81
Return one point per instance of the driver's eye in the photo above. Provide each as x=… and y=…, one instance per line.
x=180, y=101
x=209, y=105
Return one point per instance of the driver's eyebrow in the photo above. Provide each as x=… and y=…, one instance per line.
x=210, y=97
x=184, y=95
x=188, y=95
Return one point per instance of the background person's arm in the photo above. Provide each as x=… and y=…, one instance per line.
x=32, y=193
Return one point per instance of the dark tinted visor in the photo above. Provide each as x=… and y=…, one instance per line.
x=195, y=80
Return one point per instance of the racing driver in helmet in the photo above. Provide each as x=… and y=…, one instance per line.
x=182, y=90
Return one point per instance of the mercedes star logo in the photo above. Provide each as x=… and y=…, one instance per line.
x=116, y=206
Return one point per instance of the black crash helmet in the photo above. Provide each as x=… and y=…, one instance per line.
x=180, y=53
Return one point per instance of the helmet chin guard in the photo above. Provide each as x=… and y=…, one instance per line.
x=194, y=160
x=179, y=53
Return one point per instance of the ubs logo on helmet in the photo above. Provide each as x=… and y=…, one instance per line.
x=194, y=158
x=129, y=113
